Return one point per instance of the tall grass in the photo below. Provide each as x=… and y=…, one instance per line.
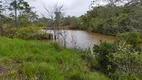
x=36, y=60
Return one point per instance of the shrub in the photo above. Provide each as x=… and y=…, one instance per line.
x=102, y=52
x=128, y=61
x=27, y=33
x=124, y=76
x=132, y=38
x=75, y=75
x=117, y=59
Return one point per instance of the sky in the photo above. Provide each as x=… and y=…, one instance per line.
x=71, y=7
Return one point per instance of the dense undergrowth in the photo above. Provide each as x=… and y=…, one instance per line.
x=36, y=60
x=121, y=60
x=26, y=33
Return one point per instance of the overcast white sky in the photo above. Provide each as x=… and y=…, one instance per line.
x=71, y=7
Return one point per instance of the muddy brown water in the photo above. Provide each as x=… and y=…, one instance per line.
x=80, y=39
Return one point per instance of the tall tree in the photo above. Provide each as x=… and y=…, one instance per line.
x=55, y=13
x=1, y=21
x=19, y=7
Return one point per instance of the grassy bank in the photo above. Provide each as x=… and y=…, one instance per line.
x=35, y=60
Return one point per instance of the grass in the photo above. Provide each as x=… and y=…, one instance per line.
x=36, y=60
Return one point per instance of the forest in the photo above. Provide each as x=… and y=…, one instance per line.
x=29, y=52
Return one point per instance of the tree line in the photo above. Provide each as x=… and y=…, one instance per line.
x=117, y=16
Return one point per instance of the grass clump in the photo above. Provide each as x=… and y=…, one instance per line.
x=36, y=60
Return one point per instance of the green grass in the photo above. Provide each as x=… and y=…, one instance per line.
x=36, y=60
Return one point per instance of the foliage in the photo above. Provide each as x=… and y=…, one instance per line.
x=120, y=60
x=71, y=22
x=102, y=54
x=43, y=22
x=111, y=20
x=23, y=14
x=132, y=38
x=18, y=7
x=27, y=33
x=36, y=60
x=128, y=61
x=28, y=19
x=116, y=60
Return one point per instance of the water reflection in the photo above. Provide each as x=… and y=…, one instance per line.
x=81, y=39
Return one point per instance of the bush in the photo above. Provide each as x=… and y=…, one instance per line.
x=114, y=59
x=132, y=38
x=27, y=33
x=128, y=61
x=102, y=52
x=124, y=76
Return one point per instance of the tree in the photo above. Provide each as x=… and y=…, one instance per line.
x=0, y=17
x=55, y=14
x=116, y=2
x=19, y=7
x=27, y=19
x=44, y=22
x=71, y=22
x=110, y=20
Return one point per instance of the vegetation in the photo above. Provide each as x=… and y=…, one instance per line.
x=23, y=57
x=71, y=22
x=20, y=59
x=27, y=33
x=22, y=23
x=112, y=19
x=120, y=60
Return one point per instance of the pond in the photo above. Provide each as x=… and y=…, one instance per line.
x=80, y=39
